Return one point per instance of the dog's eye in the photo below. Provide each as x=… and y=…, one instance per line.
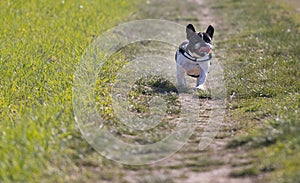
x=200, y=34
x=206, y=38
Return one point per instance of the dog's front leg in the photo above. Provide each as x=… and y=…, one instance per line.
x=201, y=80
x=181, y=76
x=204, y=69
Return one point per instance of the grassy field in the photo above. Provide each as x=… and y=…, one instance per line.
x=41, y=43
x=261, y=54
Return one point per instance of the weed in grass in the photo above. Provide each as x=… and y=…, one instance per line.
x=242, y=172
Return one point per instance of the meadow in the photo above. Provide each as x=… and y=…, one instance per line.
x=261, y=54
x=41, y=43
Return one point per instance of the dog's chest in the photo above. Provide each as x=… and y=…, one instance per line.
x=191, y=67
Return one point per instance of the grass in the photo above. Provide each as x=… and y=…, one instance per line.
x=200, y=164
x=249, y=171
x=41, y=43
x=156, y=179
x=139, y=95
x=261, y=54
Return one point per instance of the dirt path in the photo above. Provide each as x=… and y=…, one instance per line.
x=190, y=165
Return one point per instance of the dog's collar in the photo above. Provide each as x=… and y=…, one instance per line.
x=190, y=57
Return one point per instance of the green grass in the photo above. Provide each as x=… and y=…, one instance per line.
x=139, y=95
x=249, y=171
x=261, y=55
x=41, y=43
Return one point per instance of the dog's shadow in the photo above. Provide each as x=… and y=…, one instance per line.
x=153, y=85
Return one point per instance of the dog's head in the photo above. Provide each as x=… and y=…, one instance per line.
x=200, y=43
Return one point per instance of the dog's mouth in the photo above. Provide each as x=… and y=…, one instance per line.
x=201, y=51
x=204, y=49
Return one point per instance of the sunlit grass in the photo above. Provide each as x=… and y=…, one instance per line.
x=41, y=43
x=262, y=60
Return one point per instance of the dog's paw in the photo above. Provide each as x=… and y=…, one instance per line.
x=201, y=87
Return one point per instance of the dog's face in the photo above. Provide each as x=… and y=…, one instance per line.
x=200, y=43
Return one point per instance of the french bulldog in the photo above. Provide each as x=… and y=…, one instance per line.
x=194, y=55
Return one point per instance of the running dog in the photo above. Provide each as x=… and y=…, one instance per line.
x=194, y=55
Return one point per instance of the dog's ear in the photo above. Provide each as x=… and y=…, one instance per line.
x=210, y=31
x=190, y=31
x=190, y=27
